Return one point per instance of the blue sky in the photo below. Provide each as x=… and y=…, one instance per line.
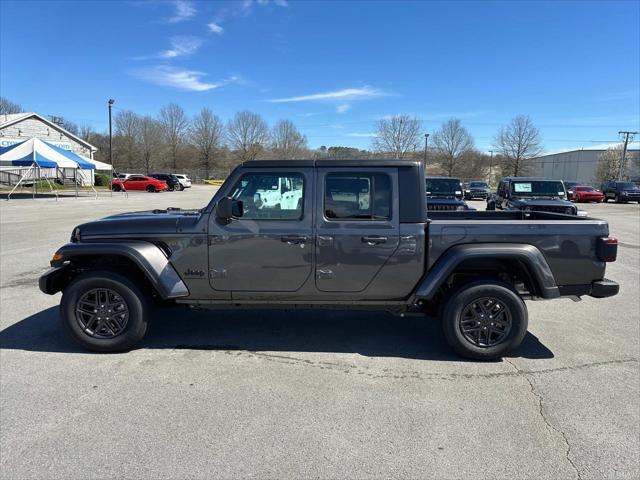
x=334, y=68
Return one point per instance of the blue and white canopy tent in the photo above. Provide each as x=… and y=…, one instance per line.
x=37, y=154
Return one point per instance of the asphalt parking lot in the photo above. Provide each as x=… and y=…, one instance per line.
x=310, y=394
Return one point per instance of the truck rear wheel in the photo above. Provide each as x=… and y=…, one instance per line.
x=484, y=320
x=104, y=312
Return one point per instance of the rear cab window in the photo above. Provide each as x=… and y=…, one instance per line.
x=357, y=196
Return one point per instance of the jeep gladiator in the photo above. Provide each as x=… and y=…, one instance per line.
x=343, y=234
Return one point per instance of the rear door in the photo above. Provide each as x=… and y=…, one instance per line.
x=357, y=226
x=269, y=248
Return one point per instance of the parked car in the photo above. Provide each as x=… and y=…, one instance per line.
x=476, y=189
x=360, y=238
x=531, y=194
x=445, y=193
x=185, y=181
x=171, y=180
x=586, y=193
x=620, y=191
x=569, y=185
x=139, y=182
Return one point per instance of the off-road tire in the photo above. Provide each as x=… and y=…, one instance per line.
x=463, y=297
x=136, y=302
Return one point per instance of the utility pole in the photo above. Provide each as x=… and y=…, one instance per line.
x=426, y=144
x=113, y=170
x=624, y=151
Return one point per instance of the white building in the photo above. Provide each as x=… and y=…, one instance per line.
x=18, y=127
x=580, y=165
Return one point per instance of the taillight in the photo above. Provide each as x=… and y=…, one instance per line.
x=607, y=249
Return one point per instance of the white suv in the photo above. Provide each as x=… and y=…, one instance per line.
x=184, y=180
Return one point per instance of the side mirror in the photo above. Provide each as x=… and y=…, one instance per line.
x=227, y=208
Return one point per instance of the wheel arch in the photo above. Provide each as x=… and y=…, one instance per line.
x=143, y=260
x=524, y=261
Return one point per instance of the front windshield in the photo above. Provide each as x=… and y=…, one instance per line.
x=442, y=185
x=478, y=185
x=627, y=185
x=538, y=188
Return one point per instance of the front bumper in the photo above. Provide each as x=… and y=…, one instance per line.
x=54, y=279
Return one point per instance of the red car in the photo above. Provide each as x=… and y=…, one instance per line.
x=140, y=182
x=586, y=193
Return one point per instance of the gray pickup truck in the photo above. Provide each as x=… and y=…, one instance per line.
x=337, y=234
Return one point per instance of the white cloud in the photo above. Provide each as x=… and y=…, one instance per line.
x=185, y=10
x=190, y=80
x=361, y=135
x=336, y=95
x=344, y=108
x=182, y=46
x=215, y=28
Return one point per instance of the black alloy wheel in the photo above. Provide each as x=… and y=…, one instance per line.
x=485, y=322
x=102, y=313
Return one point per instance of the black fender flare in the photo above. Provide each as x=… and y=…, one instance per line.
x=527, y=254
x=148, y=257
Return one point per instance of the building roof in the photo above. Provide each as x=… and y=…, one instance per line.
x=12, y=118
x=603, y=147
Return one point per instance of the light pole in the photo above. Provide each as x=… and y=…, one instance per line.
x=113, y=171
x=490, y=165
x=426, y=144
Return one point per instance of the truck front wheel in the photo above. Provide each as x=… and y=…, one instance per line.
x=484, y=320
x=104, y=311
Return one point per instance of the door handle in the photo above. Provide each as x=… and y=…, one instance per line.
x=293, y=239
x=374, y=240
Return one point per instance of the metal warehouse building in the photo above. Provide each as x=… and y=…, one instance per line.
x=580, y=165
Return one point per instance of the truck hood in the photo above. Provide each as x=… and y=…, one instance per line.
x=148, y=223
x=541, y=202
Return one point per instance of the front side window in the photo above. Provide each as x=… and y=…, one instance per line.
x=357, y=196
x=270, y=196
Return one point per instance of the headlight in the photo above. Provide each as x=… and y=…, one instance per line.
x=569, y=211
x=460, y=208
x=75, y=235
x=467, y=191
x=623, y=193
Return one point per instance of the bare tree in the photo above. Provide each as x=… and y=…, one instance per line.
x=397, y=135
x=248, y=133
x=286, y=141
x=149, y=139
x=451, y=143
x=206, y=134
x=127, y=125
x=86, y=132
x=7, y=107
x=175, y=126
x=518, y=142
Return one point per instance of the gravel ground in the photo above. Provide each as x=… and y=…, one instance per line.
x=310, y=394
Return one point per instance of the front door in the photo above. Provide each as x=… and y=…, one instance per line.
x=357, y=226
x=269, y=248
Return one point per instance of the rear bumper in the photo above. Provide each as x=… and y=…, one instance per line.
x=604, y=288
x=599, y=289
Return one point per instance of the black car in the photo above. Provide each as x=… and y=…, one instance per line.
x=620, y=191
x=172, y=181
x=531, y=194
x=445, y=193
x=476, y=189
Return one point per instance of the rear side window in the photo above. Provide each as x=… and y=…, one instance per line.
x=270, y=196
x=357, y=196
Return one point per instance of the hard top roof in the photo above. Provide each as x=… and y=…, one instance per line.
x=331, y=163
